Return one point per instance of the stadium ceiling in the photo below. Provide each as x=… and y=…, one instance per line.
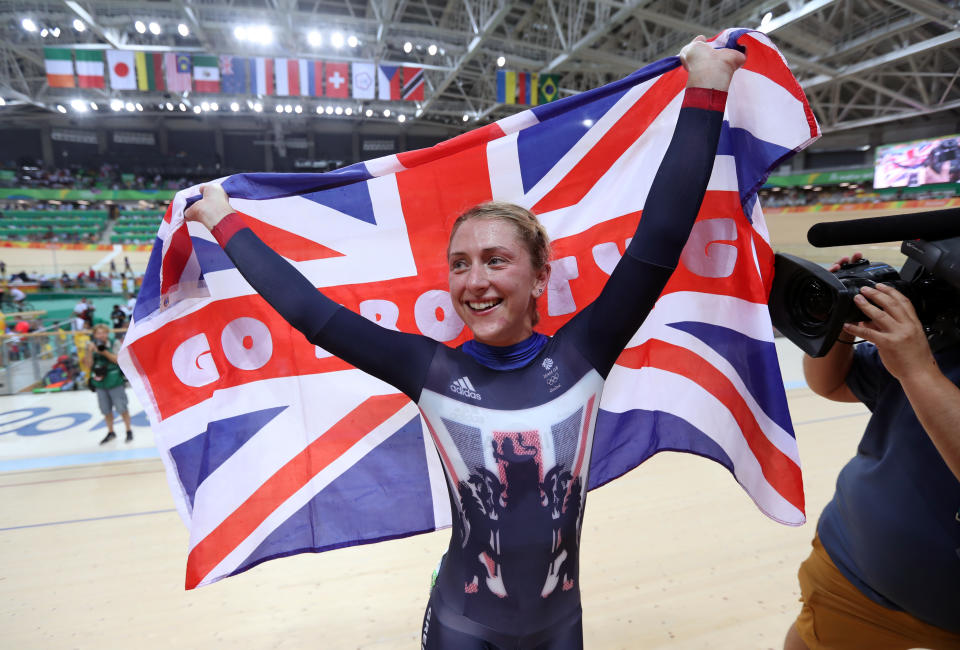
x=861, y=62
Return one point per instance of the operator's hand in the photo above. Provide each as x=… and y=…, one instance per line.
x=896, y=331
x=209, y=210
x=708, y=67
x=856, y=257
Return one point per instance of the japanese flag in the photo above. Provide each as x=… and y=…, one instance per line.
x=122, y=70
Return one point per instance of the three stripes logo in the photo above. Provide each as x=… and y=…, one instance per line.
x=463, y=387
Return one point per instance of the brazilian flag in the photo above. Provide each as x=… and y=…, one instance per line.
x=548, y=88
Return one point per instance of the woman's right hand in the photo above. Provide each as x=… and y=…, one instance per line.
x=210, y=209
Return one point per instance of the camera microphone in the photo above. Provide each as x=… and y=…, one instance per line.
x=931, y=226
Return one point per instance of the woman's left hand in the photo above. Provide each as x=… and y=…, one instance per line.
x=210, y=209
x=710, y=67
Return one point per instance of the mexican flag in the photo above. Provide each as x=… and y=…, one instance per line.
x=206, y=73
x=122, y=70
x=59, y=65
x=89, y=68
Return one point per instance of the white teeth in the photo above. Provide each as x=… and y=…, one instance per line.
x=480, y=306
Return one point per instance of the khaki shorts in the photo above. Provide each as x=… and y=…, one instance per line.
x=836, y=616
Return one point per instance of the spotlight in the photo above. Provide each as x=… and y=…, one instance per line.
x=140, y=27
x=78, y=25
x=352, y=41
x=240, y=33
x=465, y=117
x=401, y=118
x=214, y=106
x=336, y=40
x=3, y=102
x=116, y=105
x=205, y=106
x=61, y=108
x=169, y=106
x=386, y=112
x=139, y=107
x=314, y=38
x=28, y=25
x=44, y=32
x=319, y=110
x=94, y=107
x=298, y=109
x=338, y=110
x=155, y=28
x=183, y=107
x=196, y=109
x=348, y=111
x=234, y=106
x=432, y=49
x=288, y=108
x=279, y=108
x=501, y=61
x=328, y=110
x=78, y=105
x=258, y=107
x=130, y=107
x=369, y=112
x=56, y=32
x=183, y=30
x=408, y=47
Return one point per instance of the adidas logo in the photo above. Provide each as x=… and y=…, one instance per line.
x=463, y=387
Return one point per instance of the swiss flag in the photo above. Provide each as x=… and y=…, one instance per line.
x=336, y=79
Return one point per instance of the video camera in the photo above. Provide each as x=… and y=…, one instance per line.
x=809, y=305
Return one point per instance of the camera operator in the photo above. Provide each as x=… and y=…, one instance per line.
x=885, y=567
x=106, y=380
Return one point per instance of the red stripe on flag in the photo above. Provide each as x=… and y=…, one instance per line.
x=290, y=478
x=158, y=79
x=780, y=471
x=290, y=245
x=764, y=61
x=463, y=141
x=175, y=259
x=293, y=77
x=522, y=88
x=442, y=450
x=588, y=412
x=613, y=144
x=317, y=78
x=268, y=73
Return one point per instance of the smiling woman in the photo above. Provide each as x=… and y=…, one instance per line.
x=512, y=411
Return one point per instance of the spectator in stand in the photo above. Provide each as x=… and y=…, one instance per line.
x=21, y=326
x=119, y=317
x=17, y=296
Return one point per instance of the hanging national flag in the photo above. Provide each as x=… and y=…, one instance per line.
x=389, y=82
x=274, y=447
x=206, y=73
x=178, y=72
x=336, y=79
x=548, y=88
x=314, y=72
x=233, y=75
x=149, y=70
x=412, y=84
x=284, y=69
x=123, y=72
x=89, y=68
x=59, y=66
x=261, y=76
x=517, y=87
x=364, y=84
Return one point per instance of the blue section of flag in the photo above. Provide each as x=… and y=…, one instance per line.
x=353, y=200
x=501, y=86
x=622, y=441
x=148, y=298
x=323, y=523
x=755, y=158
x=754, y=361
x=199, y=456
x=233, y=75
x=210, y=256
x=183, y=63
x=261, y=186
x=311, y=79
x=541, y=146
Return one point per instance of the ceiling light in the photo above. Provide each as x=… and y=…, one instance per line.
x=258, y=107
x=234, y=106
x=288, y=108
x=28, y=25
x=328, y=110
x=432, y=49
x=501, y=61
x=61, y=108
x=155, y=28
x=348, y=111
x=408, y=47
x=183, y=30
x=465, y=117
x=196, y=109
x=78, y=25
x=169, y=106
x=279, y=108
x=140, y=27
x=352, y=41
x=130, y=107
x=139, y=107
x=314, y=38
x=93, y=106
x=338, y=110
x=182, y=107
x=3, y=102
x=56, y=32
x=369, y=112
x=319, y=110
x=116, y=105
x=401, y=118
x=298, y=109
x=240, y=33
x=336, y=40
x=214, y=106
x=386, y=112
x=44, y=32
x=205, y=106
x=78, y=105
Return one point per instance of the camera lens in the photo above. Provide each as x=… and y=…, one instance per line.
x=813, y=302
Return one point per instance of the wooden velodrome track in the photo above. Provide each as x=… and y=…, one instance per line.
x=675, y=555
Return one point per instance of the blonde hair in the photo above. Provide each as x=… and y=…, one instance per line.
x=529, y=229
x=100, y=326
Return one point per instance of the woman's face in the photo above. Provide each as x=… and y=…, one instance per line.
x=492, y=281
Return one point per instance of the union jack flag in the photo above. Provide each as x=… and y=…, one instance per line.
x=274, y=447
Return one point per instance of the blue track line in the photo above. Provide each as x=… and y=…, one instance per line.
x=92, y=458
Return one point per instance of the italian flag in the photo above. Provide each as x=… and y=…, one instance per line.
x=59, y=65
x=90, y=68
x=206, y=73
x=149, y=70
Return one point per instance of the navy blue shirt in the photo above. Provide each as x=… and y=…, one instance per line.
x=893, y=526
